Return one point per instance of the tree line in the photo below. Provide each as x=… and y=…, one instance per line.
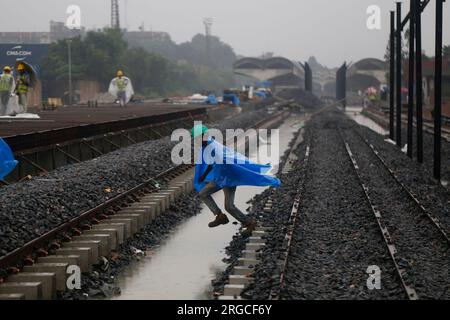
x=182, y=69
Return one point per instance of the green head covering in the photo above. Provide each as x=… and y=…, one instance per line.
x=199, y=130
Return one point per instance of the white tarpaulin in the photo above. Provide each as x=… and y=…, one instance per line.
x=13, y=105
x=113, y=89
x=22, y=116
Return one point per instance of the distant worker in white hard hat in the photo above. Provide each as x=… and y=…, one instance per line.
x=23, y=84
x=121, y=88
x=6, y=89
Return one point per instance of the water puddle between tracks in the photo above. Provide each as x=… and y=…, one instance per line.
x=355, y=114
x=182, y=267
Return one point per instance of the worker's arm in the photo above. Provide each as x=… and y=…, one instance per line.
x=25, y=80
x=12, y=87
x=205, y=174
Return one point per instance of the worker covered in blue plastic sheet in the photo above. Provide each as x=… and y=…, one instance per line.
x=231, y=97
x=7, y=161
x=222, y=168
x=211, y=100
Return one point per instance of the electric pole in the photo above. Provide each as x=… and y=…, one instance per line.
x=115, y=17
x=208, y=22
x=69, y=49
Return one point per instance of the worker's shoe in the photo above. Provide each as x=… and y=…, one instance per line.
x=249, y=228
x=221, y=219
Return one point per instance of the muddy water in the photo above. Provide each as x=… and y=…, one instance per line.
x=355, y=114
x=184, y=265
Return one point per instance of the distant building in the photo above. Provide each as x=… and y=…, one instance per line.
x=32, y=46
x=428, y=85
x=133, y=37
x=283, y=73
x=369, y=72
x=32, y=54
x=24, y=37
x=58, y=31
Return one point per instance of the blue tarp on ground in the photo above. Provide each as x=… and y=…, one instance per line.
x=212, y=100
x=260, y=94
x=231, y=97
x=236, y=170
x=7, y=161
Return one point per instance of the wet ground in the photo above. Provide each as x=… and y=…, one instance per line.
x=184, y=265
x=355, y=114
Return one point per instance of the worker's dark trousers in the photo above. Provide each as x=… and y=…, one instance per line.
x=23, y=101
x=4, y=97
x=230, y=192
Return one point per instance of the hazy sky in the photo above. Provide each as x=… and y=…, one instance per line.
x=331, y=30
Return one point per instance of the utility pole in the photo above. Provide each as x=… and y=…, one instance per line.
x=115, y=17
x=419, y=89
x=392, y=77
x=69, y=49
x=438, y=92
x=398, y=75
x=126, y=13
x=341, y=85
x=308, y=78
x=208, y=22
x=411, y=66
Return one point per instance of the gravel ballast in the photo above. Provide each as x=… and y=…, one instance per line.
x=32, y=208
x=100, y=283
x=422, y=251
x=337, y=237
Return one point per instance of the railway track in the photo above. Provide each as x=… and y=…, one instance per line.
x=37, y=270
x=42, y=151
x=84, y=240
x=293, y=220
x=409, y=290
x=418, y=248
x=413, y=197
x=402, y=239
x=241, y=275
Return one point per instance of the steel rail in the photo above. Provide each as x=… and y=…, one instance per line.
x=401, y=272
x=292, y=223
x=435, y=221
x=14, y=257
x=294, y=216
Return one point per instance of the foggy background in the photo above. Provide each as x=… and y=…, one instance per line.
x=330, y=30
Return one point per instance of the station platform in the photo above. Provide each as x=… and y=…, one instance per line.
x=82, y=115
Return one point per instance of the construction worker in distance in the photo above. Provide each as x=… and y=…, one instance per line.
x=121, y=88
x=23, y=83
x=226, y=170
x=6, y=89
